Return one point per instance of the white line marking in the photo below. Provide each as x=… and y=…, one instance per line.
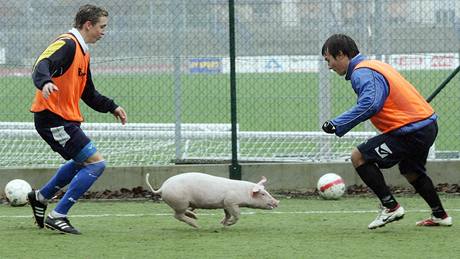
x=214, y=214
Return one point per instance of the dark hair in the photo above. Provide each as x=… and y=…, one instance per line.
x=340, y=43
x=89, y=13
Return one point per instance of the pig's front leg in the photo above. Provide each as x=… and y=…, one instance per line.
x=226, y=218
x=234, y=211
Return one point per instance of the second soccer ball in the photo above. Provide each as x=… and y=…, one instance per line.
x=331, y=186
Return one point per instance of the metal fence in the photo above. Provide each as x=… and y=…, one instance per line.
x=168, y=62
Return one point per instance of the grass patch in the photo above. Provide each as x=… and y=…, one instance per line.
x=299, y=228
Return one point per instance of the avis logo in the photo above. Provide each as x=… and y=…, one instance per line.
x=383, y=150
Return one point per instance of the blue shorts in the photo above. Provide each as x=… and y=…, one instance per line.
x=64, y=137
x=410, y=151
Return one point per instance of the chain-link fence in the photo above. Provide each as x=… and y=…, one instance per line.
x=167, y=64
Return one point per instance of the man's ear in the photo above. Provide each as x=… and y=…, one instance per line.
x=87, y=25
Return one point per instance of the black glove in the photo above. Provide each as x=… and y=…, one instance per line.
x=328, y=127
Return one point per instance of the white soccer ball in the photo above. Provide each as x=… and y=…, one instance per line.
x=16, y=192
x=331, y=186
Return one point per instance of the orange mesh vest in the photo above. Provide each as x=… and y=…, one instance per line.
x=71, y=84
x=404, y=104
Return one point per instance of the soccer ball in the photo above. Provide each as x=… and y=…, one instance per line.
x=16, y=192
x=331, y=186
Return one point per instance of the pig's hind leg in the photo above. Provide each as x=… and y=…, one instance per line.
x=181, y=209
x=191, y=214
x=182, y=216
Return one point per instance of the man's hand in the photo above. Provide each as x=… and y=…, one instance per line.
x=120, y=113
x=328, y=127
x=48, y=88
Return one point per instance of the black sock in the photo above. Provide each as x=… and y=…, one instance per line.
x=424, y=186
x=373, y=178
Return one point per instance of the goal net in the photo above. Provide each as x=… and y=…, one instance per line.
x=144, y=144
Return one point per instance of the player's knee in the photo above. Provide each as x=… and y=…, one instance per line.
x=88, y=154
x=420, y=181
x=357, y=158
x=96, y=169
x=96, y=157
x=100, y=166
x=412, y=177
x=410, y=172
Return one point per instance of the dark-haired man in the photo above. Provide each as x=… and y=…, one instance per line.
x=407, y=122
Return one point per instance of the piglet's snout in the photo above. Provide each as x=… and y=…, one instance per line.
x=273, y=204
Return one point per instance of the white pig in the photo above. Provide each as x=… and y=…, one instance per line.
x=188, y=191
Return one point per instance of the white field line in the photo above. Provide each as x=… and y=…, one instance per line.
x=218, y=214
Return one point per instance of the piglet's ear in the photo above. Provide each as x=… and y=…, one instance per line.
x=262, y=181
x=256, y=189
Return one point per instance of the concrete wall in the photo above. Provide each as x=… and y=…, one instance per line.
x=288, y=176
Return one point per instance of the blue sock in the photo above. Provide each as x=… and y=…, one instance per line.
x=61, y=178
x=79, y=185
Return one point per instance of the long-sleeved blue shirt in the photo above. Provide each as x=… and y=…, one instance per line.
x=372, y=90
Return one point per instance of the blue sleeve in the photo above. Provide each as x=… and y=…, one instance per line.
x=53, y=62
x=94, y=99
x=372, y=91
